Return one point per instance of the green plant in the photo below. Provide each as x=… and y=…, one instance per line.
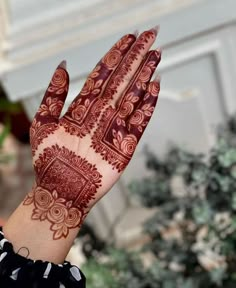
x=193, y=233
x=8, y=108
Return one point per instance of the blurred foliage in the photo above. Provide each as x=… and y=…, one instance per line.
x=193, y=233
x=8, y=108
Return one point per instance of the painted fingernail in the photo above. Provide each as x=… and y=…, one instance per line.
x=135, y=33
x=155, y=29
x=62, y=64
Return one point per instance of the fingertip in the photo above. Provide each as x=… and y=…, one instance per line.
x=155, y=29
x=63, y=64
x=135, y=33
x=157, y=78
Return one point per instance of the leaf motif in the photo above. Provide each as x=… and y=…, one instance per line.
x=146, y=107
x=123, y=122
x=114, y=133
x=135, y=99
x=28, y=200
x=119, y=136
x=116, y=143
x=60, y=230
x=43, y=216
x=54, y=194
x=60, y=200
x=129, y=96
x=37, y=214
x=147, y=113
x=118, y=121
x=98, y=83
x=87, y=102
x=140, y=129
x=96, y=91
x=69, y=204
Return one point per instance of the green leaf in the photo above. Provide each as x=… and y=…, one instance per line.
x=234, y=201
x=218, y=275
x=5, y=132
x=202, y=213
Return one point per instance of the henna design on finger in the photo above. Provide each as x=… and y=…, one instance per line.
x=140, y=117
x=46, y=118
x=114, y=139
x=87, y=106
x=104, y=83
x=66, y=184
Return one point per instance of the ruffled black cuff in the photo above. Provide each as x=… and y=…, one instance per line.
x=17, y=271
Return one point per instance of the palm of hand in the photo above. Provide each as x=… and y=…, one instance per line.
x=78, y=157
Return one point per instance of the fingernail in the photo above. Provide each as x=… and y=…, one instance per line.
x=159, y=50
x=157, y=78
x=135, y=33
x=155, y=29
x=62, y=64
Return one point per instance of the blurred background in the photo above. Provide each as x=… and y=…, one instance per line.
x=158, y=225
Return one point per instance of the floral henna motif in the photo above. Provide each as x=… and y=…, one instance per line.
x=66, y=183
x=120, y=129
x=59, y=212
x=46, y=118
x=86, y=108
x=39, y=132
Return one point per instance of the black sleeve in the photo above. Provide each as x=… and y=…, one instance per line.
x=19, y=272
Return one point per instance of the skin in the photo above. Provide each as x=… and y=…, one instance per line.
x=79, y=156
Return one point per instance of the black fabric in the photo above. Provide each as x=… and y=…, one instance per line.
x=19, y=272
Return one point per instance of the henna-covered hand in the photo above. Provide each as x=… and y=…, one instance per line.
x=79, y=156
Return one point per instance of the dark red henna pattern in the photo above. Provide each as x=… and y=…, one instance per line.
x=86, y=108
x=116, y=138
x=103, y=83
x=46, y=118
x=66, y=184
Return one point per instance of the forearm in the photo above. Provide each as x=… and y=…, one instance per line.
x=36, y=236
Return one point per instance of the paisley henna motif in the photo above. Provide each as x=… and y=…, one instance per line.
x=66, y=184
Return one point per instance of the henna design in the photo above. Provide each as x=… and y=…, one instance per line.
x=39, y=132
x=86, y=108
x=114, y=107
x=115, y=138
x=46, y=118
x=66, y=184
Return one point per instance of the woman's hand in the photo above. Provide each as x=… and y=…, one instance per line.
x=79, y=156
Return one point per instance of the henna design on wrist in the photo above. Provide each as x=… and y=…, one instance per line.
x=66, y=184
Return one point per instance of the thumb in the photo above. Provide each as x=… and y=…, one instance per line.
x=55, y=95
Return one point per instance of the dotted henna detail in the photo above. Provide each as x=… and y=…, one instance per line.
x=66, y=184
